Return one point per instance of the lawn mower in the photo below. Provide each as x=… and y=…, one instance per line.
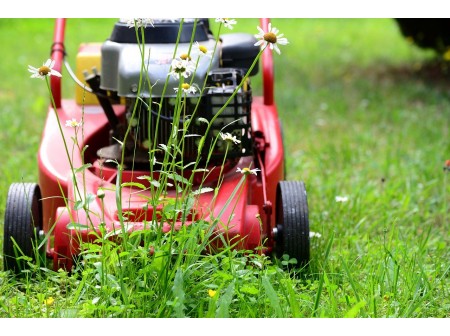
x=119, y=112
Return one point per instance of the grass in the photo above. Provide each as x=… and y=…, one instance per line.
x=366, y=115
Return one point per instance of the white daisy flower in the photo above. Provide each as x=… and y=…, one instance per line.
x=341, y=199
x=45, y=70
x=314, y=234
x=187, y=88
x=270, y=38
x=73, y=123
x=228, y=23
x=139, y=22
x=248, y=171
x=202, y=50
x=182, y=67
x=230, y=138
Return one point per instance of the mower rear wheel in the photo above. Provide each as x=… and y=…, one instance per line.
x=23, y=221
x=292, y=219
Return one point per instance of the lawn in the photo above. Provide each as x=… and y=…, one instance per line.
x=366, y=118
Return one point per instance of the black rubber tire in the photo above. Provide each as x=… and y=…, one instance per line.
x=292, y=221
x=23, y=220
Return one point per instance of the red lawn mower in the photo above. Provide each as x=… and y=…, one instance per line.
x=268, y=209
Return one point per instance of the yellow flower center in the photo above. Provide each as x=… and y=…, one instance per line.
x=270, y=37
x=211, y=292
x=185, y=86
x=185, y=57
x=203, y=49
x=246, y=170
x=44, y=70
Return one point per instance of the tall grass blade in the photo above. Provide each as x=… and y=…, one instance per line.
x=179, y=294
x=350, y=278
x=319, y=289
x=225, y=300
x=272, y=296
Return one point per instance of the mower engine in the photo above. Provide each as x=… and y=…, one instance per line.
x=138, y=75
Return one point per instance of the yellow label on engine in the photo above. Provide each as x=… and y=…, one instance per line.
x=89, y=56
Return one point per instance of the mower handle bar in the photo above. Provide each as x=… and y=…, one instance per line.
x=58, y=53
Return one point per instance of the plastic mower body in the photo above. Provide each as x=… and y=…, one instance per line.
x=110, y=184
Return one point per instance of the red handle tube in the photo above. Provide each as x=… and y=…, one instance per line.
x=57, y=54
x=267, y=68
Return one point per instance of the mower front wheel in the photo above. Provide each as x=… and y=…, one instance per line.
x=23, y=221
x=292, y=219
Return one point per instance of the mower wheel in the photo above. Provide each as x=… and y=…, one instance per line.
x=292, y=231
x=23, y=221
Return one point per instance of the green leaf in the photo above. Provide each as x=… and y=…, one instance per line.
x=81, y=203
x=178, y=178
x=202, y=191
x=200, y=170
x=82, y=168
x=124, y=254
x=134, y=184
x=150, y=179
x=155, y=183
x=224, y=275
x=78, y=205
x=203, y=120
x=144, y=177
x=200, y=144
x=353, y=312
x=249, y=289
x=77, y=226
x=126, y=227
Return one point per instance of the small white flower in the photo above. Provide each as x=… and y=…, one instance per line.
x=73, y=123
x=270, y=38
x=100, y=193
x=230, y=138
x=182, y=67
x=228, y=23
x=187, y=88
x=341, y=199
x=139, y=22
x=314, y=234
x=248, y=171
x=202, y=50
x=45, y=70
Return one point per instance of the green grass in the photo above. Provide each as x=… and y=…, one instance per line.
x=366, y=115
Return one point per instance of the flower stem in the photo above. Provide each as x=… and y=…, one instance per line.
x=62, y=135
